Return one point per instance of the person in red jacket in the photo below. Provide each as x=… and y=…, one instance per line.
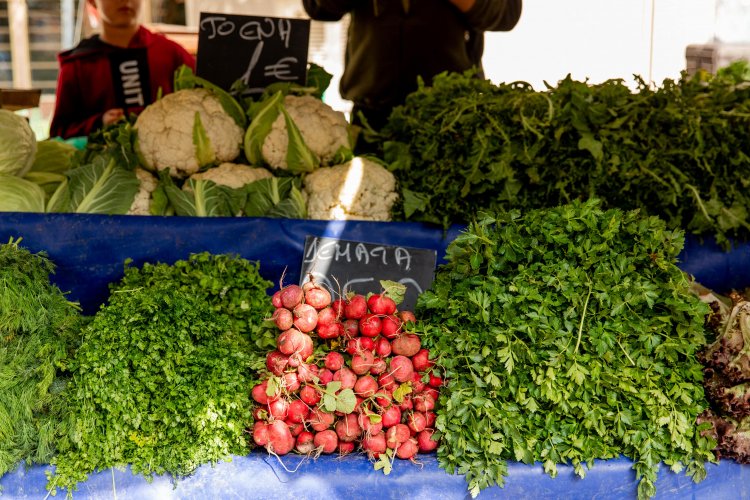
x=118, y=72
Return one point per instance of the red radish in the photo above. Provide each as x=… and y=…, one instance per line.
x=429, y=418
x=362, y=362
x=326, y=441
x=383, y=399
x=431, y=391
x=347, y=377
x=298, y=411
x=396, y=435
x=407, y=317
x=325, y=376
x=366, y=386
x=295, y=427
x=276, y=299
x=290, y=381
x=348, y=429
x=406, y=404
x=278, y=409
x=416, y=421
x=368, y=426
x=291, y=295
x=327, y=316
x=259, y=393
x=391, y=327
x=421, y=360
x=277, y=362
x=320, y=420
x=280, y=439
x=307, y=372
x=346, y=448
x=424, y=402
x=425, y=442
x=305, y=442
x=334, y=360
x=386, y=381
x=435, y=381
x=338, y=306
x=260, y=413
x=416, y=383
x=359, y=344
x=327, y=332
x=378, y=366
x=407, y=344
x=356, y=308
x=260, y=433
x=374, y=445
x=383, y=348
x=304, y=353
x=291, y=341
x=391, y=416
x=305, y=317
x=317, y=297
x=283, y=318
x=351, y=328
x=370, y=325
x=408, y=449
x=309, y=395
x=381, y=304
x=401, y=368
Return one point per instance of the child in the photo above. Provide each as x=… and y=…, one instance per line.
x=120, y=71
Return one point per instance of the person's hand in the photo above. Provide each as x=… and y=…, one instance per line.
x=463, y=5
x=112, y=115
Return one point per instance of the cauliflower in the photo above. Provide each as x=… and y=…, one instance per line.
x=359, y=189
x=186, y=130
x=142, y=202
x=316, y=135
x=233, y=175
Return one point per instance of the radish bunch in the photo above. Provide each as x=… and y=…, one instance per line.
x=370, y=386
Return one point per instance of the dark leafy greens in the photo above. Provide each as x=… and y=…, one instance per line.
x=567, y=335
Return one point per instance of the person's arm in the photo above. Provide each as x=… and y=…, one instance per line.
x=66, y=121
x=329, y=10
x=490, y=15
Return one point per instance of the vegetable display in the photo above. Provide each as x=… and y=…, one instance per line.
x=368, y=386
x=678, y=150
x=164, y=370
x=17, y=144
x=567, y=335
x=38, y=331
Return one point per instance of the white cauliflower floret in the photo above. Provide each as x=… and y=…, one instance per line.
x=165, y=132
x=142, y=202
x=233, y=175
x=359, y=189
x=323, y=129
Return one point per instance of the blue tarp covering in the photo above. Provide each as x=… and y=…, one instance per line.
x=89, y=251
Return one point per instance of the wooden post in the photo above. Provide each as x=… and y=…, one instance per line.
x=18, y=21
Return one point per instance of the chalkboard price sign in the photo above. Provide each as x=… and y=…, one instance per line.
x=355, y=266
x=258, y=51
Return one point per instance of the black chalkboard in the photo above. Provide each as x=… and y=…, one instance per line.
x=257, y=50
x=356, y=266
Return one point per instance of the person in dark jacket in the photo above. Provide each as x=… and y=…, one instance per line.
x=392, y=42
x=109, y=75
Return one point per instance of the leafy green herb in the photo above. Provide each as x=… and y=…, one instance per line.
x=567, y=335
x=336, y=399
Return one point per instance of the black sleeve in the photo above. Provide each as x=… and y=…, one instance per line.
x=494, y=15
x=329, y=10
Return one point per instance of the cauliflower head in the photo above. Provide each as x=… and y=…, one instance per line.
x=142, y=201
x=323, y=129
x=165, y=131
x=233, y=175
x=357, y=190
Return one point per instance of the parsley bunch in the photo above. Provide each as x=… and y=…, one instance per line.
x=38, y=329
x=164, y=372
x=567, y=335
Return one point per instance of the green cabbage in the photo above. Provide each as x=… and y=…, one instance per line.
x=20, y=195
x=17, y=144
